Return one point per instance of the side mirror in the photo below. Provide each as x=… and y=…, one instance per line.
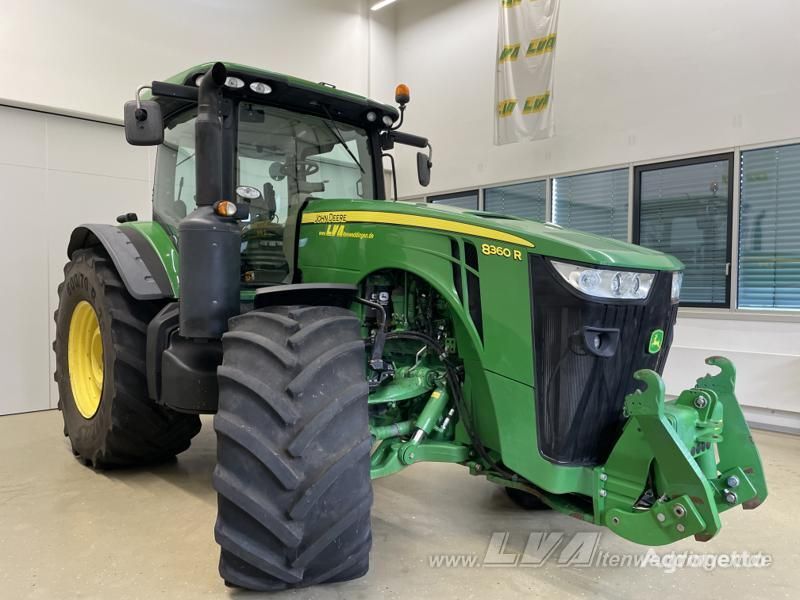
x=424, y=165
x=143, y=124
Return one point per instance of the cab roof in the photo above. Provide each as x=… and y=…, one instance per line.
x=287, y=92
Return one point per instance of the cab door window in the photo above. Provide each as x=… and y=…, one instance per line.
x=174, y=191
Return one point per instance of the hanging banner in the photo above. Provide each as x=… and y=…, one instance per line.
x=526, y=44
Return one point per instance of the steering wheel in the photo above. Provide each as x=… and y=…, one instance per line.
x=302, y=167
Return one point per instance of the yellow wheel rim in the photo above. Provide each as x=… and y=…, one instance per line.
x=85, y=356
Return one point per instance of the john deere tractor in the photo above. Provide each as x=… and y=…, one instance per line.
x=340, y=337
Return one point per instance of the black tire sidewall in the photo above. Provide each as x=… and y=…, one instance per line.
x=81, y=282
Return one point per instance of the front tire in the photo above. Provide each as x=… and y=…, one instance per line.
x=100, y=370
x=293, y=444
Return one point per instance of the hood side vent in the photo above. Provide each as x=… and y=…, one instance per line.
x=473, y=287
x=455, y=252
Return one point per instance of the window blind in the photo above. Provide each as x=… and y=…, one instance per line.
x=526, y=200
x=593, y=202
x=460, y=199
x=769, y=228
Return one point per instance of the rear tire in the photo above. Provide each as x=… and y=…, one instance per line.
x=126, y=427
x=293, y=444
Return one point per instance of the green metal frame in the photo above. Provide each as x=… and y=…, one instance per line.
x=678, y=439
x=666, y=445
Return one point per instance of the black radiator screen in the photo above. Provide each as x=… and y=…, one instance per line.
x=579, y=396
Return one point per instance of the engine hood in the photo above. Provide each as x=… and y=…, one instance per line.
x=546, y=239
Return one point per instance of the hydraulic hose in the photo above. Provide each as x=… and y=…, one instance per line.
x=455, y=387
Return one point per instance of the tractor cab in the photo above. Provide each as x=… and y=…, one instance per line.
x=283, y=141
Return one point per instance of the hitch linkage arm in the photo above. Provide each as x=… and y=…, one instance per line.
x=668, y=450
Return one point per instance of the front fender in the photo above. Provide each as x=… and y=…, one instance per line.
x=135, y=254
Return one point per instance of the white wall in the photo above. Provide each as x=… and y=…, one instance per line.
x=635, y=81
x=59, y=172
x=87, y=57
x=382, y=31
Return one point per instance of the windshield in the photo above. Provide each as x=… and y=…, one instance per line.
x=283, y=158
x=296, y=156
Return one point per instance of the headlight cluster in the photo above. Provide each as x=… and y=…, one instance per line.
x=677, y=282
x=606, y=283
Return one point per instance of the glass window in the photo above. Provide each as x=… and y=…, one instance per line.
x=288, y=157
x=526, y=200
x=467, y=199
x=174, y=190
x=593, y=202
x=683, y=209
x=769, y=222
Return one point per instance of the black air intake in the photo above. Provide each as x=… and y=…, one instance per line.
x=580, y=396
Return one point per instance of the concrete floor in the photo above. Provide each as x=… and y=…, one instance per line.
x=67, y=531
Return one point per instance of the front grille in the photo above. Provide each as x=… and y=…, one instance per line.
x=579, y=396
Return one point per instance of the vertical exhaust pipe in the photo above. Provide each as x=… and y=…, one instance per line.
x=208, y=136
x=208, y=244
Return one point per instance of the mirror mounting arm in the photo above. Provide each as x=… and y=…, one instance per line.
x=424, y=161
x=139, y=94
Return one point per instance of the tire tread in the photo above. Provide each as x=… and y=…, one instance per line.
x=293, y=399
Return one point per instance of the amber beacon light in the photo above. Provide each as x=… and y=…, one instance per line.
x=402, y=94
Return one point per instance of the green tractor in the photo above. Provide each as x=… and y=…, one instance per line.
x=340, y=337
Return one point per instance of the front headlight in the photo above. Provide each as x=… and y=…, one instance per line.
x=606, y=283
x=677, y=282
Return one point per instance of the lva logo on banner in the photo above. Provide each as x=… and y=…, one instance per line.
x=526, y=44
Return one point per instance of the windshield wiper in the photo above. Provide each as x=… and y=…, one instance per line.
x=334, y=129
